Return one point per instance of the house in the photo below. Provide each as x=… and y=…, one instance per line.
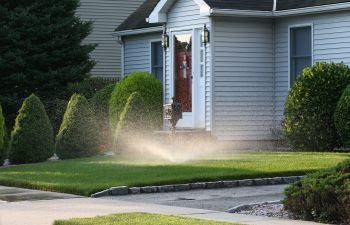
x=236, y=84
x=106, y=14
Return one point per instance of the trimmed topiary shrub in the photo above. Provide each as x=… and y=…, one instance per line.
x=342, y=117
x=78, y=135
x=132, y=123
x=149, y=88
x=32, y=139
x=322, y=197
x=3, y=134
x=310, y=106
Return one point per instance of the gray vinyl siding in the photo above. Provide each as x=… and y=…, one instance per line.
x=185, y=15
x=106, y=15
x=137, y=52
x=331, y=35
x=243, y=79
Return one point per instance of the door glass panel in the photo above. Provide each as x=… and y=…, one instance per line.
x=183, y=71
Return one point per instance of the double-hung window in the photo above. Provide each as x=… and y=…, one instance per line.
x=157, y=60
x=300, y=51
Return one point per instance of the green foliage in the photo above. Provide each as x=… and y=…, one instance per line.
x=32, y=139
x=342, y=117
x=323, y=196
x=99, y=104
x=3, y=137
x=88, y=87
x=149, y=88
x=78, y=135
x=310, y=106
x=41, y=50
x=132, y=123
x=55, y=110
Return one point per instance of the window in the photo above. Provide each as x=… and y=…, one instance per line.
x=300, y=51
x=157, y=60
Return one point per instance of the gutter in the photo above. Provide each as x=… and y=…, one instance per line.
x=122, y=33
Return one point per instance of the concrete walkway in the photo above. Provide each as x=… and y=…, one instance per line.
x=61, y=206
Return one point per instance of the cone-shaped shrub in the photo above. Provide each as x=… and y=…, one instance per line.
x=32, y=139
x=132, y=123
x=342, y=117
x=310, y=106
x=3, y=134
x=78, y=134
x=149, y=88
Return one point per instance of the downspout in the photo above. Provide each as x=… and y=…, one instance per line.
x=274, y=64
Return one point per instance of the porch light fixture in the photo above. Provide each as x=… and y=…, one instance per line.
x=205, y=35
x=165, y=38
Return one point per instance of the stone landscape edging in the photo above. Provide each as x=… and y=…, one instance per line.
x=125, y=190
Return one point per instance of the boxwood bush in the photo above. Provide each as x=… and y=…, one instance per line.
x=322, y=197
x=310, y=106
x=342, y=117
x=78, y=135
x=3, y=134
x=148, y=87
x=132, y=123
x=32, y=138
x=99, y=104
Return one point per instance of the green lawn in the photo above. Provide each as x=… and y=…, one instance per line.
x=89, y=175
x=139, y=219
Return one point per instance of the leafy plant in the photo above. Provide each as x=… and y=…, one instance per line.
x=3, y=138
x=342, y=117
x=78, y=135
x=322, y=196
x=32, y=139
x=310, y=106
x=88, y=87
x=148, y=87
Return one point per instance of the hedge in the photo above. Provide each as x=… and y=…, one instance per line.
x=148, y=87
x=342, y=117
x=310, y=106
x=32, y=139
x=78, y=135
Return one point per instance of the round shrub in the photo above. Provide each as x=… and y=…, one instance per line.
x=322, y=197
x=32, y=139
x=149, y=88
x=310, y=106
x=342, y=117
x=132, y=123
x=99, y=104
x=3, y=134
x=78, y=135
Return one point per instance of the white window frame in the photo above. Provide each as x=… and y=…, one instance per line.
x=150, y=55
x=311, y=25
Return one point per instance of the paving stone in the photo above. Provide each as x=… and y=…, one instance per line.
x=199, y=185
x=122, y=190
x=274, y=181
x=211, y=185
x=230, y=183
x=135, y=190
x=246, y=182
x=100, y=194
x=289, y=180
x=149, y=189
x=166, y=188
x=182, y=187
x=260, y=181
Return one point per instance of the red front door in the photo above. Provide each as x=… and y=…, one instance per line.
x=183, y=71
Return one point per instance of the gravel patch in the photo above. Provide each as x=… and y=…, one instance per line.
x=264, y=209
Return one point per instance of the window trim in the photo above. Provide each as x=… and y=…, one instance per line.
x=311, y=25
x=150, y=55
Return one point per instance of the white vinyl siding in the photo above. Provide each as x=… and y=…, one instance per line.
x=331, y=35
x=137, y=52
x=185, y=15
x=106, y=15
x=243, y=79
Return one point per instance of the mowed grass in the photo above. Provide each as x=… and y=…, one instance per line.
x=90, y=175
x=139, y=219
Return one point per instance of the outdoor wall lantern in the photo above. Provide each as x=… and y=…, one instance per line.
x=165, y=40
x=205, y=35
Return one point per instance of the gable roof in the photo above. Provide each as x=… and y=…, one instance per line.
x=296, y=4
x=137, y=20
